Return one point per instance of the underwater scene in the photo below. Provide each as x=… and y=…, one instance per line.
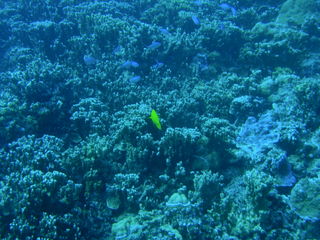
x=160, y=120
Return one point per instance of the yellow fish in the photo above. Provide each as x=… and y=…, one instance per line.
x=155, y=119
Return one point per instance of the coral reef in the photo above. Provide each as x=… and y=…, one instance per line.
x=169, y=119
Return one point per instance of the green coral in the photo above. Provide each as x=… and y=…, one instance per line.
x=297, y=11
x=177, y=200
x=305, y=198
x=126, y=228
x=250, y=190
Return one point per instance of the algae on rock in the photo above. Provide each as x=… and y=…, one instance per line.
x=296, y=11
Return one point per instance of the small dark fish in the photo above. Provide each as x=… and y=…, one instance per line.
x=195, y=20
x=157, y=65
x=154, y=45
x=234, y=11
x=203, y=67
x=135, y=79
x=164, y=31
x=89, y=60
x=226, y=7
x=129, y=64
x=134, y=64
